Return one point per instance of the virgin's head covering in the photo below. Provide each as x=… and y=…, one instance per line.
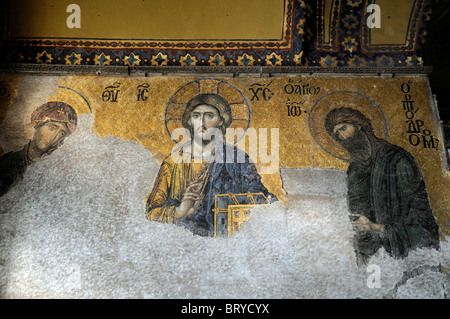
x=210, y=99
x=55, y=111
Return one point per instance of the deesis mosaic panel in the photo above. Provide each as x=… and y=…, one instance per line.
x=221, y=143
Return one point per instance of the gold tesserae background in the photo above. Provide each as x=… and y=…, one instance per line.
x=147, y=109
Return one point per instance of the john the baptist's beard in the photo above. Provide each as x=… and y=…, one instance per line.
x=357, y=145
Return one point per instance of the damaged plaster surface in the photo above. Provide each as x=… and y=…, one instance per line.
x=81, y=232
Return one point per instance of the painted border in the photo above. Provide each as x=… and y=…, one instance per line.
x=278, y=52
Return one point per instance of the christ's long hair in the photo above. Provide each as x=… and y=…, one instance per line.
x=215, y=100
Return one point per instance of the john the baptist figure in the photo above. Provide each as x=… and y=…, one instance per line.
x=386, y=191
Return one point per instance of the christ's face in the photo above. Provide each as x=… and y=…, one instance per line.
x=48, y=135
x=202, y=118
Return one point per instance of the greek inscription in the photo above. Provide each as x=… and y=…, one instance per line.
x=261, y=91
x=418, y=134
x=143, y=92
x=301, y=89
x=294, y=108
x=111, y=93
x=429, y=141
x=414, y=126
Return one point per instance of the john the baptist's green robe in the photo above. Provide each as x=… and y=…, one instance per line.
x=389, y=189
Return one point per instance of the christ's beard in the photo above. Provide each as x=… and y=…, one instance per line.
x=358, y=145
x=206, y=137
x=201, y=138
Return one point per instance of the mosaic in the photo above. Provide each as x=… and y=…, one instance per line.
x=221, y=143
x=342, y=37
x=169, y=33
